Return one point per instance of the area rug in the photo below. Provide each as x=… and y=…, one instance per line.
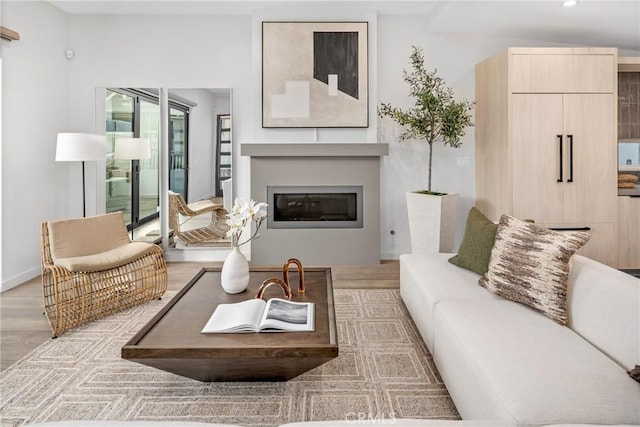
x=383, y=371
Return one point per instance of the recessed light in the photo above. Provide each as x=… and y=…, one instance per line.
x=568, y=3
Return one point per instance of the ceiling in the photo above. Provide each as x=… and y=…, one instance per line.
x=606, y=23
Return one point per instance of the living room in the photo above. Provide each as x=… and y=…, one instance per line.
x=135, y=50
x=218, y=45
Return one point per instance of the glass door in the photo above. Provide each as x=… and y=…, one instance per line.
x=120, y=112
x=148, y=176
x=132, y=185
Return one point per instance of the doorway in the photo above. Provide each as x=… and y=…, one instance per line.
x=178, y=149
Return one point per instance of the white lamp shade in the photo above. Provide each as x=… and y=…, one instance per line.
x=76, y=147
x=132, y=149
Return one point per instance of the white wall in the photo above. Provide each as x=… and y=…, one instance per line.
x=34, y=97
x=140, y=51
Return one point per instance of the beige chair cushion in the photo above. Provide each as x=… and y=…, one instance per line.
x=93, y=244
x=80, y=237
x=106, y=260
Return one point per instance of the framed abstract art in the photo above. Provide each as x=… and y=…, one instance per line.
x=314, y=74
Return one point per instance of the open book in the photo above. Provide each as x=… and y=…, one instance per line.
x=258, y=315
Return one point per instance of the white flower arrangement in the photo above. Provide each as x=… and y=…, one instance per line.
x=242, y=213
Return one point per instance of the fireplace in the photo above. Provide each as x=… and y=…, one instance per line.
x=314, y=206
x=324, y=202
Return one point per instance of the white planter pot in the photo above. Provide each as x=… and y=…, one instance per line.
x=432, y=222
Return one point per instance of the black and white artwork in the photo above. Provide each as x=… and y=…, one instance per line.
x=285, y=312
x=314, y=74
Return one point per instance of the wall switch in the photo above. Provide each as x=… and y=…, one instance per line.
x=463, y=161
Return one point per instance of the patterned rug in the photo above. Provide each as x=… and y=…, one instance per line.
x=383, y=371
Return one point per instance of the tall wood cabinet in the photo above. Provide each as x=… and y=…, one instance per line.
x=545, y=140
x=629, y=232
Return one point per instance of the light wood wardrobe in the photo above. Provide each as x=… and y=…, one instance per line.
x=546, y=141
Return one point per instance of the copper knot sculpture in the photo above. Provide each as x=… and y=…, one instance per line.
x=284, y=283
x=285, y=273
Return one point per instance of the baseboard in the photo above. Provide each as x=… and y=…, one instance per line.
x=20, y=279
x=389, y=255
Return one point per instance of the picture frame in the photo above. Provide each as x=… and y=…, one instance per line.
x=315, y=75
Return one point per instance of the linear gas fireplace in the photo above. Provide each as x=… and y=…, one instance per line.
x=324, y=202
x=337, y=206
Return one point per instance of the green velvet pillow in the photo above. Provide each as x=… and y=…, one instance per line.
x=477, y=242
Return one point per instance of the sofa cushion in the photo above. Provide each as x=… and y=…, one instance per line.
x=107, y=260
x=501, y=360
x=530, y=264
x=86, y=236
x=477, y=242
x=604, y=307
x=427, y=279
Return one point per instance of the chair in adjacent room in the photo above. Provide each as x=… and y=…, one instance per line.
x=180, y=212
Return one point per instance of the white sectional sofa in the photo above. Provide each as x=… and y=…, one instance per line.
x=501, y=360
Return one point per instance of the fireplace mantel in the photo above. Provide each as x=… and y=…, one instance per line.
x=314, y=149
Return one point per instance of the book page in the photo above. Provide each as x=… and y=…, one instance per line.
x=284, y=315
x=239, y=317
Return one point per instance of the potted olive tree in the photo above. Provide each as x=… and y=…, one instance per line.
x=435, y=117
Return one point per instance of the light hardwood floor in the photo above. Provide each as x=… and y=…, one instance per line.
x=23, y=325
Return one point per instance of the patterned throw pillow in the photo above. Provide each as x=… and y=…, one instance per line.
x=529, y=264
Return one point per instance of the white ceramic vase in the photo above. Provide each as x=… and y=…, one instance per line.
x=234, y=277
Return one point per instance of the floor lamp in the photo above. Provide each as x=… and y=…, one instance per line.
x=81, y=147
x=132, y=149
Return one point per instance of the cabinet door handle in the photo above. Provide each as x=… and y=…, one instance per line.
x=570, y=228
x=560, y=147
x=570, y=158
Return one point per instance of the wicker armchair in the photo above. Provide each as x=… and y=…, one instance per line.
x=214, y=231
x=90, y=269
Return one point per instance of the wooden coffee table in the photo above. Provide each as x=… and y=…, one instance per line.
x=172, y=341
